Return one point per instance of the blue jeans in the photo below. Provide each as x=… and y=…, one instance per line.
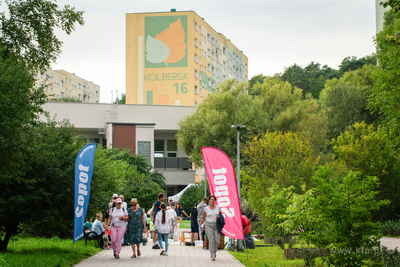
x=172, y=229
x=160, y=238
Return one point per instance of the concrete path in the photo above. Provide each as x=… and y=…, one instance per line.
x=390, y=243
x=178, y=255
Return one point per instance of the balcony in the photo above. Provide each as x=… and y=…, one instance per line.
x=172, y=164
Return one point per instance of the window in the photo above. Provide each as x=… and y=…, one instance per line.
x=200, y=91
x=245, y=66
x=196, y=58
x=224, y=50
x=199, y=29
x=200, y=60
x=84, y=88
x=69, y=81
x=195, y=104
x=62, y=94
x=144, y=149
x=159, y=148
x=196, y=26
x=172, y=148
x=196, y=42
x=213, y=55
x=209, y=83
x=196, y=73
x=52, y=90
x=79, y=96
x=196, y=89
x=200, y=45
x=79, y=86
x=47, y=89
x=94, y=140
x=97, y=93
x=224, y=65
x=209, y=37
x=62, y=83
x=213, y=41
x=69, y=92
x=209, y=67
x=209, y=52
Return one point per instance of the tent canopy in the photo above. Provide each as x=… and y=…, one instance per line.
x=176, y=197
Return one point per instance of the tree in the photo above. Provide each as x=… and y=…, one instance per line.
x=385, y=97
x=210, y=124
x=27, y=44
x=283, y=159
x=311, y=79
x=345, y=101
x=190, y=197
x=344, y=209
x=352, y=63
x=370, y=152
x=45, y=184
x=122, y=100
x=28, y=30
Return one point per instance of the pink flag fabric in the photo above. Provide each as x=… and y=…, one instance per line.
x=222, y=182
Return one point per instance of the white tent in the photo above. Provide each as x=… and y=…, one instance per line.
x=176, y=197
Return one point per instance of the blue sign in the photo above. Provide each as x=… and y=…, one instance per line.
x=83, y=177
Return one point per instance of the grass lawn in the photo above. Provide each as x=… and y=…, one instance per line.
x=35, y=251
x=185, y=224
x=268, y=257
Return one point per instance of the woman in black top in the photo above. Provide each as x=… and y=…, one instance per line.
x=179, y=211
x=194, y=224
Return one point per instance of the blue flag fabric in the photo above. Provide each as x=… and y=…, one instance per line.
x=83, y=177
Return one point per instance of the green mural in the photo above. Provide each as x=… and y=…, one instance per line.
x=166, y=42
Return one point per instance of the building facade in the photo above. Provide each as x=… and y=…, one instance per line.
x=176, y=58
x=147, y=130
x=60, y=83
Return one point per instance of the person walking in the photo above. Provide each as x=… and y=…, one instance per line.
x=173, y=217
x=117, y=218
x=200, y=208
x=157, y=208
x=194, y=226
x=136, y=227
x=210, y=216
x=163, y=228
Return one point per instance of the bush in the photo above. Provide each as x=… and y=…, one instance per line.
x=391, y=228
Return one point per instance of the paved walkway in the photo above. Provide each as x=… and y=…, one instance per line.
x=177, y=256
x=390, y=243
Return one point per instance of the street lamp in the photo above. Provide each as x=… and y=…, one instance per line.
x=238, y=156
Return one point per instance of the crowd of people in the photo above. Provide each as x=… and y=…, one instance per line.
x=132, y=226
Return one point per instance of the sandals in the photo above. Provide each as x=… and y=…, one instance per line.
x=138, y=253
x=133, y=256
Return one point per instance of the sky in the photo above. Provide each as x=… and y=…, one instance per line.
x=272, y=34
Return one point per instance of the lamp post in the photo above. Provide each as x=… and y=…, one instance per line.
x=238, y=156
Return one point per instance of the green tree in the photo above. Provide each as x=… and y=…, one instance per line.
x=353, y=63
x=27, y=44
x=345, y=101
x=311, y=79
x=370, y=152
x=344, y=209
x=385, y=95
x=284, y=159
x=273, y=207
x=46, y=184
x=190, y=197
x=210, y=124
x=122, y=100
x=28, y=30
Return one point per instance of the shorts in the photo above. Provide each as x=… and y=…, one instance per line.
x=194, y=226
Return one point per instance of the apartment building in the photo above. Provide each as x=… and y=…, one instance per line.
x=61, y=83
x=176, y=58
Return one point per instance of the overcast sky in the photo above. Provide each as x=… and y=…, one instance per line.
x=272, y=34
